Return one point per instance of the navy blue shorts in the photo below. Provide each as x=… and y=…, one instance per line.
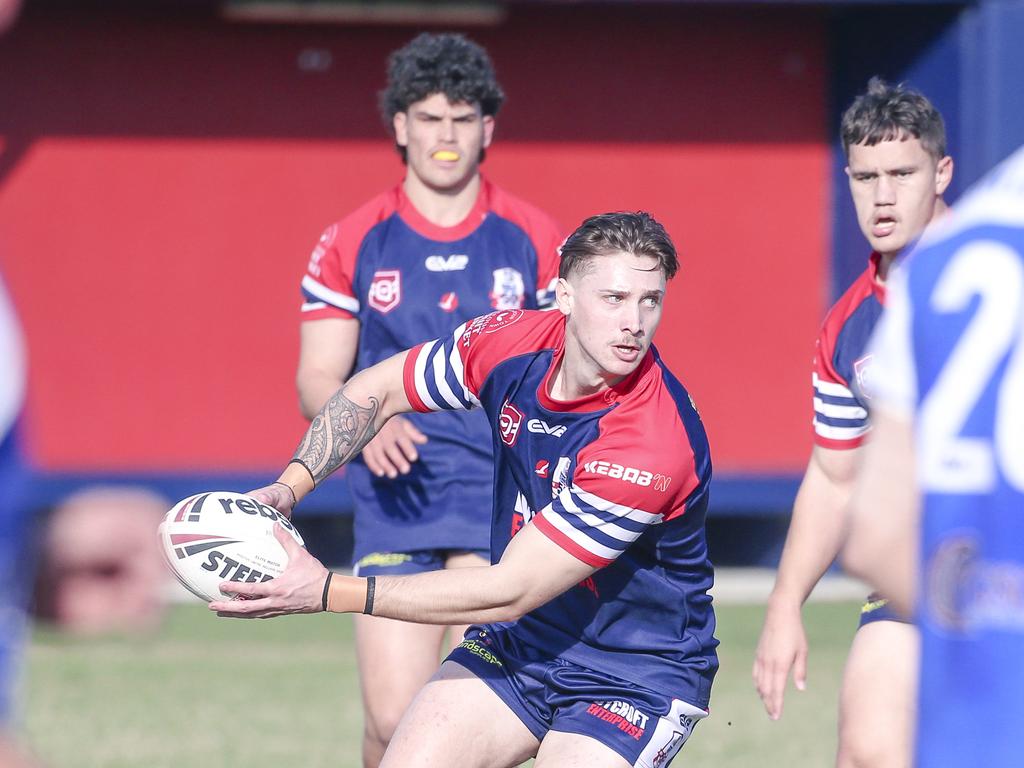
x=646, y=728
x=877, y=608
x=407, y=563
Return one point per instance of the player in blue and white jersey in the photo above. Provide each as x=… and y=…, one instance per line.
x=895, y=144
x=938, y=518
x=443, y=246
x=594, y=637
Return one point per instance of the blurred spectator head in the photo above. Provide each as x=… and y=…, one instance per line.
x=101, y=568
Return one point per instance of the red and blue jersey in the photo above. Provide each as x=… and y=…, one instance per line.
x=842, y=363
x=407, y=280
x=618, y=479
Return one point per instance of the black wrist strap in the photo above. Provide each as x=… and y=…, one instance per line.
x=327, y=586
x=371, y=585
x=305, y=466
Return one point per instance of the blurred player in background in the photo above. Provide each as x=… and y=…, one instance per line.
x=938, y=517
x=16, y=567
x=15, y=570
x=100, y=566
x=895, y=146
x=599, y=645
x=442, y=247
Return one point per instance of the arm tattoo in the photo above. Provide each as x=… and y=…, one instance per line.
x=337, y=434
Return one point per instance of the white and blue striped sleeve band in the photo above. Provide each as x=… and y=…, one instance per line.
x=318, y=295
x=439, y=377
x=837, y=414
x=596, y=530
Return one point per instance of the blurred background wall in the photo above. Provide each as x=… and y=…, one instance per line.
x=166, y=168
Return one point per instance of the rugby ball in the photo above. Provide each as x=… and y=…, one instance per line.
x=223, y=536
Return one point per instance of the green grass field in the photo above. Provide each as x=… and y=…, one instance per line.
x=213, y=692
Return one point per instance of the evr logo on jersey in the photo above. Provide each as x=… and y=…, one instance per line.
x=542, y=468
x=509, y=421
x=454, y=263
x=539, y=427
x=386, y=290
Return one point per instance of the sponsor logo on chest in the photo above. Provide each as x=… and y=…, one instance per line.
x=454, y=263
x=541, y=427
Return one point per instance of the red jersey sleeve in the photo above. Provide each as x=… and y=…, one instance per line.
x=327, y=286
x=840, y=422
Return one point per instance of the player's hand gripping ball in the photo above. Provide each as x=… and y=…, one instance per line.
x=223, y=536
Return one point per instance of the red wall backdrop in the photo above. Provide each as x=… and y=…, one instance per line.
x=163, y=179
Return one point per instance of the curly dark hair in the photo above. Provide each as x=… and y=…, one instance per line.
x=445, y=63
x=637, y=233
x=886, y=112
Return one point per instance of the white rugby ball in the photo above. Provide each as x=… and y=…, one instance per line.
x=222, y=536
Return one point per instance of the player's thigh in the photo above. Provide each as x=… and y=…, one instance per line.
x=456, y=719
x=573, y=750
x=878, y=698
x=395, y=660
x=462, y=560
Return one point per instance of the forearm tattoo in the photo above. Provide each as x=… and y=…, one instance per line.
x=337, y=434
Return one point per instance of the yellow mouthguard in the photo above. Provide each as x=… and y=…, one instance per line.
x=446, y=154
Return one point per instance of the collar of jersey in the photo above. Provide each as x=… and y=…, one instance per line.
x=598, y=401
x=422, y=226
x=877, y=288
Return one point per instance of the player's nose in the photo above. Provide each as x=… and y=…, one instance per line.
x=885, y=191
x=448, y=129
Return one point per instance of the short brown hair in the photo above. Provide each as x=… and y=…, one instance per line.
x=637, y=233
x=886, y=112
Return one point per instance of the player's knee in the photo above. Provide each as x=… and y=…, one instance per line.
x=382, y=723
x=863, y=748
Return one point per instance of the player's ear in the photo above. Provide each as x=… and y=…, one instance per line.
x=564, y=296
x=400, y=124
x=488, y=123
x=943, y=174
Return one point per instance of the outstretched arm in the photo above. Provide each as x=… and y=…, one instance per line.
x=532, y=571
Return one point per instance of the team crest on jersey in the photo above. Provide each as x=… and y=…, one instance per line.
x=386, y=290
x=560, y=477
x=862, y=370
x=509, y=421
x=509, y=289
